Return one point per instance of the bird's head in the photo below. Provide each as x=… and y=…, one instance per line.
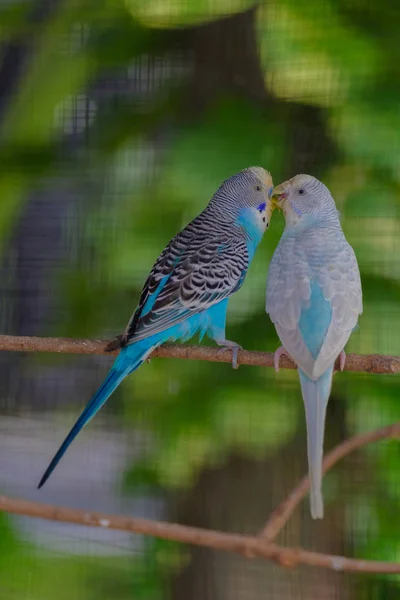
x=303, y=198
x=246, y=197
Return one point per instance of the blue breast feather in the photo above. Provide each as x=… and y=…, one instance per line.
x=315, y=320
x=248, y=219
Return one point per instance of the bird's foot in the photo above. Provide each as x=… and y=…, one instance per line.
x=277, y=355
x=228, y=345
x=115, y=344
x=342, y=360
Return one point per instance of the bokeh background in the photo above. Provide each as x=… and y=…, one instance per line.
x=118, y=120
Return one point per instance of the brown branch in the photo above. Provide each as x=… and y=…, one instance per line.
x=283, y=512
x=369, y=363
x=247, y=545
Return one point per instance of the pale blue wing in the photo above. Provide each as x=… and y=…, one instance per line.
x=288, y=292
x=341, y=285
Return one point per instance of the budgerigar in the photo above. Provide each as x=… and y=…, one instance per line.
x=188, y=288
x=314, y=298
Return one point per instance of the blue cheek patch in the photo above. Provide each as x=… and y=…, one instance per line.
x=261, y=207
x=296, y=210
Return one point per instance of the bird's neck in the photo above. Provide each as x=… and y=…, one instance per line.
x=250, y=224
x=245, y=222
x=296, y=226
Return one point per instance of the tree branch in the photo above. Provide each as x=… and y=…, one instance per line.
x=249, y=546
x=284, y=511
x=368, y=363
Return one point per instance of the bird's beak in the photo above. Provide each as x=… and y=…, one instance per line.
x=279, y=194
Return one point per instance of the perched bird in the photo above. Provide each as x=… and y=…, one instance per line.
x=314, y=299
x=188, y=288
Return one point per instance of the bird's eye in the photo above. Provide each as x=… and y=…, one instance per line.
x=301, y=191
x=258, y=188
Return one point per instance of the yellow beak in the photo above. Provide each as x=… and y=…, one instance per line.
x=274, y=202
x=279, y=193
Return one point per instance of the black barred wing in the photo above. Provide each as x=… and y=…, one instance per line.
x=192, y=273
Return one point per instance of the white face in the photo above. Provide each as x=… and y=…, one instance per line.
x=303, y=196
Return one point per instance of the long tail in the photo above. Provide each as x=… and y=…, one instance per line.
x=129, y=359
x=315, y=397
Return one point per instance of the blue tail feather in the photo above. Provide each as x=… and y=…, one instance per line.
x=129, y=359
x=111, y=382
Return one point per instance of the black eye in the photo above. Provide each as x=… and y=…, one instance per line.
x=301, y=191
x=258, y=188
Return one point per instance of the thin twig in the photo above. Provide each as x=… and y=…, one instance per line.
x=284, y=511
x=241, y=544
x=369, y=363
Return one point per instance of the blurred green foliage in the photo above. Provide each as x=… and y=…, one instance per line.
x=37, y=574
x=339, y=59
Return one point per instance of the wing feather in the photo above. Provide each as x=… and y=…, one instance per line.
x=196, y=272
